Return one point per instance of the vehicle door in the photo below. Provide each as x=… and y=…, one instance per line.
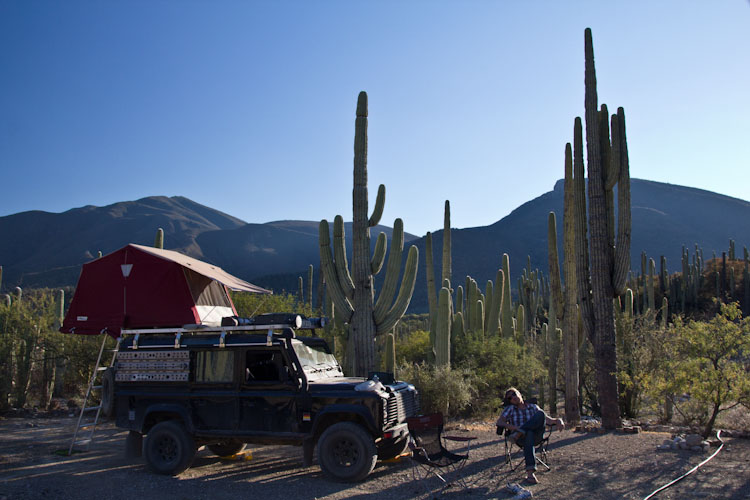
x=268, y=394
x=213, y=397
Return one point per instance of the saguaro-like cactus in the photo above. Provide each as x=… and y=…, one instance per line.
x=506, y=307
x=563, y=305
x=606, y=276
x=353, y=293
x=432, y=291
x=443, y=329
x=159, y=239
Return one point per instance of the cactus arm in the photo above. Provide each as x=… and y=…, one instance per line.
x=430, y=275
x=488, y=293
x=556, y=296
x=493, y=308
x=344, y=309
x=443, y=330
x=622, y=250
x=459, y=305
x=404, y=295
x=377, y=212
x=310, y=272
x=506, y=307
x=378, y=257
x=390, y=353
x=339, y=256
x=581, y=239
x=391, y=273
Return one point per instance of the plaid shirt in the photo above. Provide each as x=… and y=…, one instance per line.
x=517, y=417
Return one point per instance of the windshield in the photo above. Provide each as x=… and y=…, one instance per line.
x=316, y=362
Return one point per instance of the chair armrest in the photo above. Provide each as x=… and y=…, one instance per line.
x=462, y=439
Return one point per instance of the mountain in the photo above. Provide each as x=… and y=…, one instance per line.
x=45, y=249
x=664, y=218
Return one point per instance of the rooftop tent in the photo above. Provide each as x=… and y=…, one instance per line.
x=143, y=287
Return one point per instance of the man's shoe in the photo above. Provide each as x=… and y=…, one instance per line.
x=531, y=479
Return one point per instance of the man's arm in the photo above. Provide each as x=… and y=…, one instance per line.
x=502, y=422
x=554, y=421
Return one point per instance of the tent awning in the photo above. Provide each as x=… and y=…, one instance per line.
x=204, y=268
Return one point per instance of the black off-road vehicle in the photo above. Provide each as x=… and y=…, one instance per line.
x=253, y=380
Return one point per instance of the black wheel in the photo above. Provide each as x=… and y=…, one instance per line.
x=346, y=452
x=169, y=449
x=226, y=448
x=108, y=393
x=393, y=450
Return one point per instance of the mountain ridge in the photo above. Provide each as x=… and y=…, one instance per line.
x=40, y=248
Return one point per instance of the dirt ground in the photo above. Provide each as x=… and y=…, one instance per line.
x=584, y=465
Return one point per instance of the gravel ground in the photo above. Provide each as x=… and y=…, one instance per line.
x=584, y=465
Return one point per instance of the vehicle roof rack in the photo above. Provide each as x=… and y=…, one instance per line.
x=287, y=323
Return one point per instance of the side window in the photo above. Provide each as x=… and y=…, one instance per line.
x=265, y=366
x=214, y=366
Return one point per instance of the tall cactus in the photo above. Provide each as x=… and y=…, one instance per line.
x=159, y=239
x=563, y=304
x=353, y=293
x=506, y=308
x=390, y=353
x=606, y=276
x=443, y=329
x=432, y=291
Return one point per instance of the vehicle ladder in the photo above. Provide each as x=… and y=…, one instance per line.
x=95, y=384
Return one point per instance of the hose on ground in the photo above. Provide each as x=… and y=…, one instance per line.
x=718, y=436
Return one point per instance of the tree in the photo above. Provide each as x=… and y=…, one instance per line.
x=706, y=362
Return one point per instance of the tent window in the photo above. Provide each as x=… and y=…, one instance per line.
x=214, y=366
x=205, y=291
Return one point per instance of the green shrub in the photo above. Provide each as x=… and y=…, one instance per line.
x=441, y=389
x=413, y=347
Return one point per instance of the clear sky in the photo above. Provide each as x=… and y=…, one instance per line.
x=248, y=106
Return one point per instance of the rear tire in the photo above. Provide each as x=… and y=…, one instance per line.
x=168, y=448
x=346, y=452
x=227, y=448
x=108, y=393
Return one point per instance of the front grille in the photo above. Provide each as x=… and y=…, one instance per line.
x=401, y=405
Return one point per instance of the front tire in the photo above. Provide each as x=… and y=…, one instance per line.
x=227, y=448
x=346, y=452
x=169, y=449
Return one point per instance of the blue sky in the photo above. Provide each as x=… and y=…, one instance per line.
x=248, y=106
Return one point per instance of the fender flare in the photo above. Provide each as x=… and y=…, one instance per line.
x=345, y=409
x=167, y=408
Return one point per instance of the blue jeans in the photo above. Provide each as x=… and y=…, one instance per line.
x=532, y=428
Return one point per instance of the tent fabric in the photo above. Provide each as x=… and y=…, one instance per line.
x=142, y=287
x=203, y=268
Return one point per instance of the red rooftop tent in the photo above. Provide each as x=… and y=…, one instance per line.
x=144, y=287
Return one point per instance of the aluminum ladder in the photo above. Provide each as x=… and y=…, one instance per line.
x=95, y=384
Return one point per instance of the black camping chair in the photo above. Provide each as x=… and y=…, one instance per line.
x=541, y=443
x=429, y=454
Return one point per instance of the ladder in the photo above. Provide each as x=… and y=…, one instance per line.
x=95, y=384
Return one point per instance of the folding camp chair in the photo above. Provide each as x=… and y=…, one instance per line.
x=429, y=454
x=541, y=443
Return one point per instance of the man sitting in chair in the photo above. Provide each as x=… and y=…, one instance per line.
x=528, y=420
